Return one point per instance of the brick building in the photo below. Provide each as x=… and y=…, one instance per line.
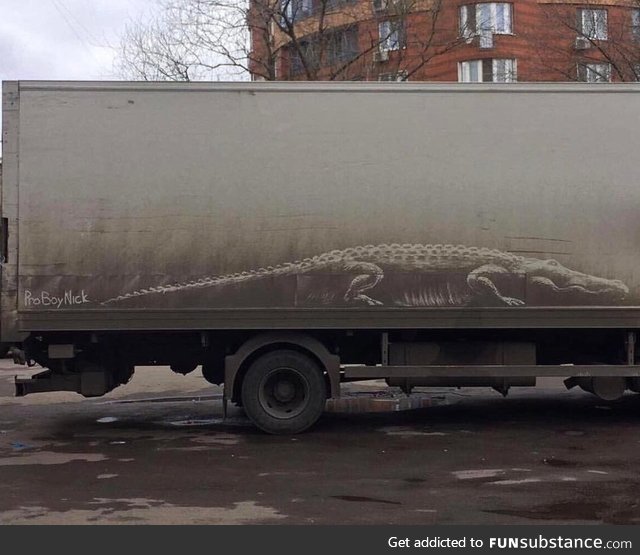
x=446, y=40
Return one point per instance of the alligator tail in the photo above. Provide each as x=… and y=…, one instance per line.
x=213, y=281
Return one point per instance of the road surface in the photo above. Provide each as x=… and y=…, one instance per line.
x=158, y=451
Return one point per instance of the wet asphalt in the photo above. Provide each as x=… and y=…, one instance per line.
x=158, y=451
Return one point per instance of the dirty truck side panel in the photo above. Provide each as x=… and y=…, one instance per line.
x=9, y=222
x=181, y=207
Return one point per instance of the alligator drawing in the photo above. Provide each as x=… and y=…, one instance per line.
x=430, y=275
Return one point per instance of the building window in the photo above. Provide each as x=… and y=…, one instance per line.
x=393, y=76
x=295, y=10
x=391, y=35
x=296, y=57
x=488, y=71
x=339, y=47
x=292, y=11
x=470, y=72
x=592, y=24
x=486, y=20
x=330, y=5
x=342, y=46
x=594, y=73
x=635, y=24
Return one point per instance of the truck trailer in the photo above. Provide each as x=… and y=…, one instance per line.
x=288, y=237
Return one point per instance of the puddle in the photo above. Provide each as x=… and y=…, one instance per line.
x=408, y=432
x=144, y=511
x=516, y=482
x=361, y=499
x=194, y=448
x=566, y=510
x=106, y=420
x=475, y=474
x=195, y=422
x=559, y=462
x=534, y=480
x=50, y=457
x=106, y=476
x=218, y=439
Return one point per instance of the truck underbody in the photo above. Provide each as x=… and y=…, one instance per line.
x=283, y=377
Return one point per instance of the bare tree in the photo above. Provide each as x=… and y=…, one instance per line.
x=590, y=42
x=283, y=39
x=187, y=40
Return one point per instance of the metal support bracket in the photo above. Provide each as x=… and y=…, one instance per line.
x=630, y=342
x=225, y=403
x=384, y=346
x=491, y=371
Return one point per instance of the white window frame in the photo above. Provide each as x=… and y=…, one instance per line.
x=510, y=73
x=635, y=24
x=594, y=72
x=466, y=68
x=306, y=7
x=466, y=31
x=594, y=23
x=482, y=24
x=297, y=9
x=473, y=71
x=390, y=35
x=507, y=18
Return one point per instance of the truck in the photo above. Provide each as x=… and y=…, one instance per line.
x=289, y=237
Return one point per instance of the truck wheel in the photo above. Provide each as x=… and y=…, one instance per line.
x=284, y=392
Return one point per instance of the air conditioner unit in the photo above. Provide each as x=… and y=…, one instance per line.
x=380, y=56
x=394, y=77
x=380, y=5
x=582, y=43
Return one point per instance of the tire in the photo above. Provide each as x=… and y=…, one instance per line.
x=284, y=392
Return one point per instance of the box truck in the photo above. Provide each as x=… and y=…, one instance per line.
x=288, y=237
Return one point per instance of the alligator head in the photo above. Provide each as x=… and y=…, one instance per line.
x=552, y=275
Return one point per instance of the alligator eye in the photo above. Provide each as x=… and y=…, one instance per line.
x=553, y=262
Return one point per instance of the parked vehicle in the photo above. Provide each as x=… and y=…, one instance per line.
x=290, y=237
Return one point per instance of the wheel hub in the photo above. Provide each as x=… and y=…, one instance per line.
x=284, y=391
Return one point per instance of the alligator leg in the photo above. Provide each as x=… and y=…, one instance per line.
x=369, y=275
x=480, y=281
